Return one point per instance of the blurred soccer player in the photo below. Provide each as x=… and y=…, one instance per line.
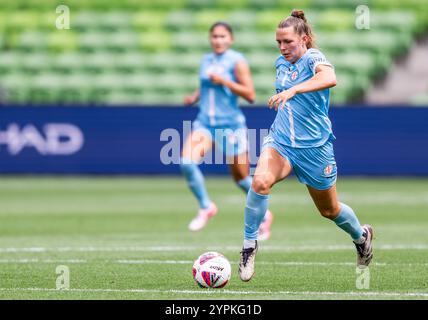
x=301, y=139
x=224, y=76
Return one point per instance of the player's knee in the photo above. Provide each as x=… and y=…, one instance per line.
x=329, y=212
x=261, y=185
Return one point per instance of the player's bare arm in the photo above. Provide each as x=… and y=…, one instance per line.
x=244, y=87
x=324, y=78
x=192, y=98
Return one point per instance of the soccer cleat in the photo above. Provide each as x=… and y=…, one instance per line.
x=264, y=229
x=365, y=250
x=202, y=218
x=246, y=264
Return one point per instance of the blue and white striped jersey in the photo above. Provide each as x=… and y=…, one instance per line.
x=218, y=104
x=304, y=122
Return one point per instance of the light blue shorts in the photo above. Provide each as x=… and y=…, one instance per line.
x=231, y=140
x=315, y=167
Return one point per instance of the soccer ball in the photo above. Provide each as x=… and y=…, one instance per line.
x=211, y=270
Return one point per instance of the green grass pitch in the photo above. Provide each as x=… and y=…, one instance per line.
x=127, y=238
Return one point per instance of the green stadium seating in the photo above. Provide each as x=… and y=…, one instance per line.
x=205, y=18
x=191, y=42
x=180, y=20
x=133, y=51
x=148, y=20
x=242, y=19
x=155, y=41
x=265, y=41
x=9, y=62
x=263, y=4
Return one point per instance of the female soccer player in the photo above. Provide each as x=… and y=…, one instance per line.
x=300, y=138
x=224, y=76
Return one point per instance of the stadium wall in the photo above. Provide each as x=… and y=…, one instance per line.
x=134, y=140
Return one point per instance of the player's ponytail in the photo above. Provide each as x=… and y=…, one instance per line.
x=299, y=14
x=301, y=26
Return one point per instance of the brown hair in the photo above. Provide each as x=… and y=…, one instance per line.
x=227, y=26
x=301, y=26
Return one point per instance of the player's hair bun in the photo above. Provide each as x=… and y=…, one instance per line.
x=299, y=14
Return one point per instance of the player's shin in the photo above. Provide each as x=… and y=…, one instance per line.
x=196, y=182
x=255, y=209
x=348, y=221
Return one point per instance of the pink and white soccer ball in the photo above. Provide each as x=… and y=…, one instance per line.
x=211, y=270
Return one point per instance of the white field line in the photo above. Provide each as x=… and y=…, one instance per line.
x=190, y=262
x=375, y=198
x=5, y=261
x=279, y=263
x=296, y=248
x=228, y=292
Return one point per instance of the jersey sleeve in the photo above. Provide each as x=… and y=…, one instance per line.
x=239, y=57
x=316, y=58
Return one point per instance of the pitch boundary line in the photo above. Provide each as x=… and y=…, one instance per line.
x=227, y=292
x=213, y=248
x=189, y=262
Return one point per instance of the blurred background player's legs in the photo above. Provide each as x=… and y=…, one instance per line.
x=195, y=147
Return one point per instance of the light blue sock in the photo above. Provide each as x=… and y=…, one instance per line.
x=255, y=210
x=348, y=221
x=245, y=185
x=196, y=182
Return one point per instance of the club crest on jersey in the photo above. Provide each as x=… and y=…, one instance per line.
x=328, y=170
x=294, y=75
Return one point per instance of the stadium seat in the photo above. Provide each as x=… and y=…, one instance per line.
x=179, y=20
x=265, y=41
x=336, y=20
x=36, y=63
x=9, y=62
x=32, y=41
x=86, y=21
x=268, y=20
x=148, y=20
x=191, y=42
x=242, y=20
x=131, y=62
x=200, y=4
x=263, y=4
x=22, y=20
x=69, y=62
x=231, y=5
x=155, y=41
x=205, y=18
x=262, y=62
x=62, y=40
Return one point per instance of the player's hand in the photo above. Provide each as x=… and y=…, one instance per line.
x=279, y=100
x=190, y=100
x=217, y=79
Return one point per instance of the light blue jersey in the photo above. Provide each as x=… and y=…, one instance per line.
x=218, y=104
x=304, y=122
